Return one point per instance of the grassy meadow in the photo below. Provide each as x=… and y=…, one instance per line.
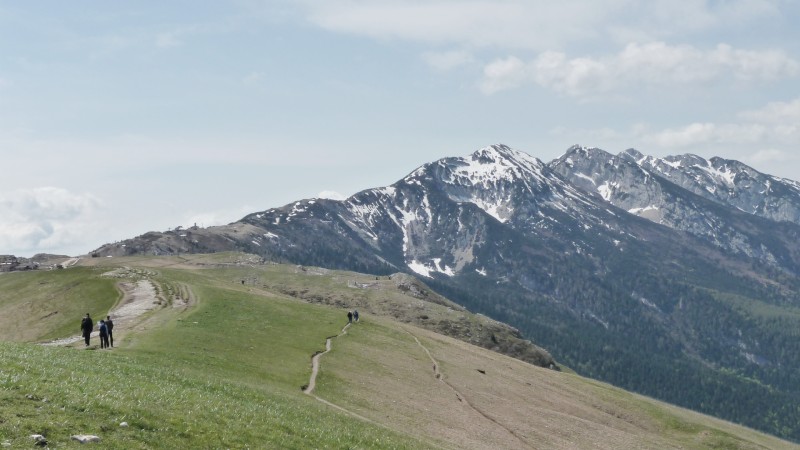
x=44, y=305
x=224, y=374
x=227, y=371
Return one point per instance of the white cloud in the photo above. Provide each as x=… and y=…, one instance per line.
x=784, y=113
x=754, y=65
x=710, y=133
x=532, y=25
x=576, y=77
x=550, y=28
x=447, y=60
x=770, y=156
x=642, y=65
x=332, y=195
x=775, y=125
x=659, y=19
x=40, y=219
x=481, y=23
x=503, y=74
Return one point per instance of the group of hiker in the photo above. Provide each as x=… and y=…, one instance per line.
x=106, y=331
x=106, y=328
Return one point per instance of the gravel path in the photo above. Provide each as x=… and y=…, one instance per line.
x=138, y=298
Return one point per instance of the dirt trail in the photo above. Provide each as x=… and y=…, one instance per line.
x=71, y=262
x=312, y=382
x=138, y=298
x=438, y=375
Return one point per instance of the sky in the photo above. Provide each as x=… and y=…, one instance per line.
x=118, y=118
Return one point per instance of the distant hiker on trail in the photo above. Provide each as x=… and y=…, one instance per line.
x=110, y=327
x=355, y=315
x=349, y=316
x=86, y=328
x=103, y=334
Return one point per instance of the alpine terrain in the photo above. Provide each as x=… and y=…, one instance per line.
x=676, y=277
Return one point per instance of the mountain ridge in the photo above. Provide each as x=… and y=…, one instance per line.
x=642, y=190
x=537, y=246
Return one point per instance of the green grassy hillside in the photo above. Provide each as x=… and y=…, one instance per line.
x=225, y=370
x=42, y=305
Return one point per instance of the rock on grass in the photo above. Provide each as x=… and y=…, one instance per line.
x=84, y=438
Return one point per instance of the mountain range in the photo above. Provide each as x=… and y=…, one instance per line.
x=675, y=277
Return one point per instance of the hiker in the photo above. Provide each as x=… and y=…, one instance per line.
x=86, y=328
x=355, y=315
x=349, y=316
x=110, y=328
x=103, y=334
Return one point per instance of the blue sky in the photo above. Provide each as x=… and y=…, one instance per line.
x=118, y=118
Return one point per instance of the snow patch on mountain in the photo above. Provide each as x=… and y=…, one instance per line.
x=587, y=178
x=431, y=267
x=639, y=211
x=725, y=175
x=606, y=190
x=498, y=209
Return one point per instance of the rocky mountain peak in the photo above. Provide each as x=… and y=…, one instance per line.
x=494, y=152
x=631, y=155
x=686, y=160
x=505, y=156
x=578, y=152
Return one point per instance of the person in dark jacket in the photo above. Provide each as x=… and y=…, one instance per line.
x=350, y=316
x=355, y=315
x=110, y=327
x=86, y=328
x=103, y=334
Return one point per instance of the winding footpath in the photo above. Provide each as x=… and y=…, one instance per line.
x=438, y=375
x=312, y=382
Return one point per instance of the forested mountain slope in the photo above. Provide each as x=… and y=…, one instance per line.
x=699, y=307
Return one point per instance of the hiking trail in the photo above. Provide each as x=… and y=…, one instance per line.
x=461, y=398
x=138, y=297
x=312, y=382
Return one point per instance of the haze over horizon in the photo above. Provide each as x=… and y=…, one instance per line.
x=120, y=119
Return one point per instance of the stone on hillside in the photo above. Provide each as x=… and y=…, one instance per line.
x=84, y=438
x=124, y=424
x=41, y=441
